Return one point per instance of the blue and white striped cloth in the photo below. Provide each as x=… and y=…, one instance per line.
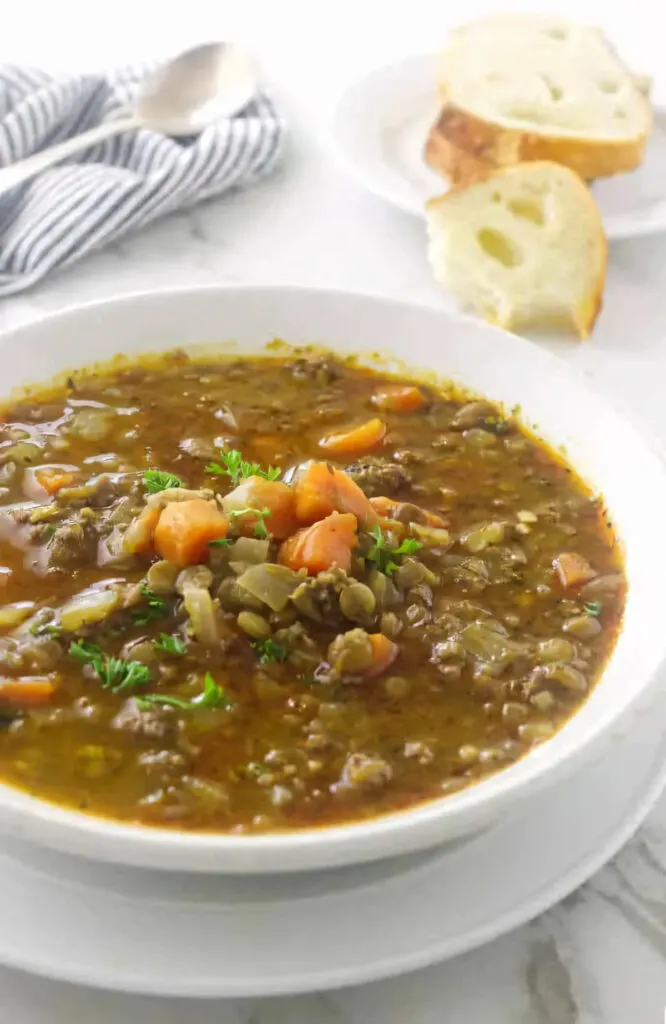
x=118, y=185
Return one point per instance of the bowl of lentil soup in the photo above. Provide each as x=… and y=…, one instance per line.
x=284, y=604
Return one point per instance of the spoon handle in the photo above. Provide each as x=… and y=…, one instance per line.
x=19, y=172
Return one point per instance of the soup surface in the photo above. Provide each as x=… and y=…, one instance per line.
x=271, y=593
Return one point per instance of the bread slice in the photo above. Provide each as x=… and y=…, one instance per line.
x=527, y=87
x=525, y=246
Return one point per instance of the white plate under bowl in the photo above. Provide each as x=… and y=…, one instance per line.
x=381, y=123
x=140, y=931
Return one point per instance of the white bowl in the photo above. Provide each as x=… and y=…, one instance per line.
x=606, y=449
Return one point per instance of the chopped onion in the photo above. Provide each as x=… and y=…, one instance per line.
x=201, y=613
x=14, y=614
x=88, y=608
x=272, y=584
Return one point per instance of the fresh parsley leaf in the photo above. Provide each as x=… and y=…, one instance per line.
x=213, y=696
x=170, y=644
x=48, y=531
x=221, y=542
x=260, y=513
x=233, y=465
x=269, y=651
x=85, y=652
x=155, y=607
x=115, y=674
x=386, y=558
x=409, y=546
x=157, y=480
x=592, y=608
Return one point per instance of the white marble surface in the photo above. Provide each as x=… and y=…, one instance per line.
x=600, y=957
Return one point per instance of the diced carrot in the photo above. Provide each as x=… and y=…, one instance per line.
x=45, y=481
x=573, y=570
x=185, y=529
x=399, y=399
x=387, y=508
x=356, y=441
x=256, y=492
x=384, y=653
x=26, y=691
x=321, y=489
x=52, y=479
x=326, y=544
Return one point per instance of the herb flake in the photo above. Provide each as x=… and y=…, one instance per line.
x=269, y=651
x=115, y=674
x=170, y=644
x=154, y=608
x=233, y=465
x=212, y=696
x=261, y=515
x=157, y=480
x=386, y=558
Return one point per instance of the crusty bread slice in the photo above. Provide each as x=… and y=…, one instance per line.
x=525, y=246
x=527, y=87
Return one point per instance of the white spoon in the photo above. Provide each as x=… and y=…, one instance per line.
x=200, y=86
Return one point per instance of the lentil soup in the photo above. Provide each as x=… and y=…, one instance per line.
x=273, y=593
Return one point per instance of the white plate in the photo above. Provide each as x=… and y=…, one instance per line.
x=381, y=122
x=192, y=935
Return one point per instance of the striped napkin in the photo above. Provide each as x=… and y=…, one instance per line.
x=118, y=185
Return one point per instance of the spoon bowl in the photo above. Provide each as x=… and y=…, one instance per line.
x=197, y=88
x=187, y=94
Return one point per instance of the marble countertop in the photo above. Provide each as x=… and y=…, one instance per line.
x=599, y=957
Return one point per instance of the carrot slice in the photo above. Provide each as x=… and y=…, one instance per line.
x=384, y=653
x=572, y=569
x=185, y=528
x=53, y=479
x=399, y=399
x=326, y=544
x=28, y=691
x=321, y=489
x=256, y=492
x=387, y=508
x=356, y=441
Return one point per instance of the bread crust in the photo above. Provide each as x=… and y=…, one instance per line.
x=462, y=147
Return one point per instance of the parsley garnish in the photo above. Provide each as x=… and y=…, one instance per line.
x=158, y=480
x=233, y=465
x=261, y=514
x=592, y=608
x=213, y=696
x=221, y=542
x=170, y=644
x=155, y=607
x=269, y=651
x=115, y=674
x=384, y=557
